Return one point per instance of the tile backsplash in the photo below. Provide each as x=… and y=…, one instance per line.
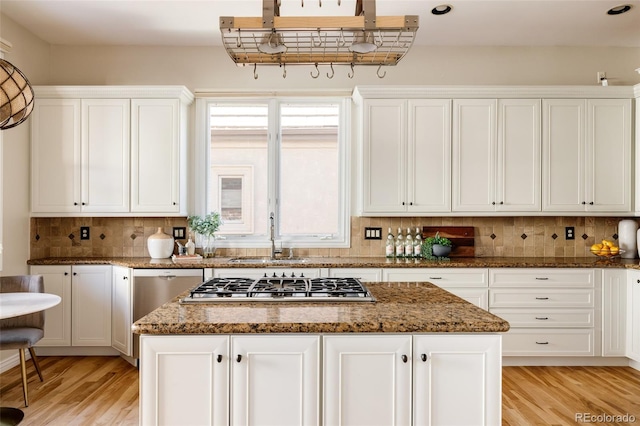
x=494, y=236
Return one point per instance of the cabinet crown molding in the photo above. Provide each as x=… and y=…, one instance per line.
x=106, y=92
x=503, y=92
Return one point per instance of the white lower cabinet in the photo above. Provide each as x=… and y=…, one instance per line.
x=457, y=380
x=365, y=275
x=633, y=316
x=275, y=380
x=83, y=317
x=614, y=312
x=122, y=310
x=552, y=312
x=184, y=380
x=366, y=379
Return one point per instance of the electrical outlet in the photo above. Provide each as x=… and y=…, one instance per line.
x=372, y=233
x=601, y=76
x=569, y=233
x=179, y=232
x=84, y=233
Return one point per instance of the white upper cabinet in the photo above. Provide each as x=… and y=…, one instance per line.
x=105, y=155
x=109, y=150
x=496, y=155
x=80, y=156
x=406, y=148
x=55, y=156
x=155, y=155
x=587, y=155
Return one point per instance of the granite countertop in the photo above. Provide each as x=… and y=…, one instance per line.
x=353, y=262
x=399, y=308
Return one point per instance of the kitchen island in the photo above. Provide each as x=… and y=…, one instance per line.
x=418, y=355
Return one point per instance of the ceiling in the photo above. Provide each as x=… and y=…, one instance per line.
x=195, y=22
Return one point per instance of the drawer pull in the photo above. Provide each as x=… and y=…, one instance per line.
x=435, y=278
x=542, y=318
x=542, y=278
x=239, y=358
x=542, y=298
x=542, y=343
x=405, y=358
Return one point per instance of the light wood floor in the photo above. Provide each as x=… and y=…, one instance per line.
x=104, y=391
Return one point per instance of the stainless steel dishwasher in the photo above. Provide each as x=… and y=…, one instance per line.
x=153, y=288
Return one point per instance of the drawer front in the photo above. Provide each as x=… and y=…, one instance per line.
x=542, y=277
x=538, y=318
x=543, y=342
x=442, y=277
x=364, y=274
x=534, y=298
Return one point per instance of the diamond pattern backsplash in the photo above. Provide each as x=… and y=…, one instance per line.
x=494, y=236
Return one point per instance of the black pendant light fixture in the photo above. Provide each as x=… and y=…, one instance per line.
x=16, y=96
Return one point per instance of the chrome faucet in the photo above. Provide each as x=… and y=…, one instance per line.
x=274, y=251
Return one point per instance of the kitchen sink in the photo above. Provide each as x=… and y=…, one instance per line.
x=265, y=260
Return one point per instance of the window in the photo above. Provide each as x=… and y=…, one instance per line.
x=285, y=156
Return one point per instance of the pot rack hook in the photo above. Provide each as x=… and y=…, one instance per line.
x=332, y=72
x=320, y=3
x=313, y=39
x=302, y=3
x=378, y=72
x=284, y=70
x=255, y=73
x=317, y=72
x=341, y=41
x=351, y=74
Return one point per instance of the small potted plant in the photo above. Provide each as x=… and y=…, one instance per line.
x=206, y=227
x=436, y=247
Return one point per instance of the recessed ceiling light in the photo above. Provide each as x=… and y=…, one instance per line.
x=441, y=10
x=619, y=9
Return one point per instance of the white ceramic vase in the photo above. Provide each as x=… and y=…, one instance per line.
x=627, y=238
x=160, y=245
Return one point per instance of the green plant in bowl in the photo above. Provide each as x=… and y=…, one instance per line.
x=436, y=247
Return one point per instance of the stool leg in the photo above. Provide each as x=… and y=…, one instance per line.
x=36, y=364
x=23, y=367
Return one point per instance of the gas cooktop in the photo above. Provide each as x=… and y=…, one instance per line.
x=279, y=289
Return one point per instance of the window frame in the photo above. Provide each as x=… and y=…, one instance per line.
x=201, y=170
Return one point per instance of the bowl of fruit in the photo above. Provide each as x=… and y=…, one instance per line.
x=606, y=250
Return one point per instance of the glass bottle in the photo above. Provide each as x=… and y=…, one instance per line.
x=408, y=245
x=390, y=249
x=399, y=244
x=417, y=245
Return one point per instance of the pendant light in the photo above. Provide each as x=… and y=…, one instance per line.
x=16, y=96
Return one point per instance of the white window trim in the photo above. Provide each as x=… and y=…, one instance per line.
x=201, y=160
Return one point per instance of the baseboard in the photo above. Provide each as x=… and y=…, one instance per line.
x=12, y=361
x=560, y=361
x=76, y=351
x=634, y=364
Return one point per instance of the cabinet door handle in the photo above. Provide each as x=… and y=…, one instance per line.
x=501, y=202
x=403, y=203
x=66, y=273
x=423, y=357
x=84, y=203
x=542, y=298
x=542, y=343
x=219, y=358
x=174, y=203
x=542, y=318
x=584, y=202
x=542, y=278
x=493, y=203
x=75, y=273
x=591, y=203
x=404, y=358
x=75, y=204
x=239, y=358
x=638, y=281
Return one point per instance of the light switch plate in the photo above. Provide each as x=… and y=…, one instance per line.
x=371, y=233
